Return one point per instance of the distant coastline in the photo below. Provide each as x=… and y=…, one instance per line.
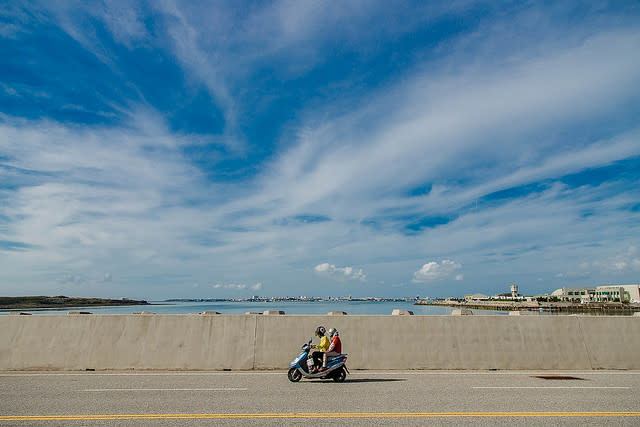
x=294, y=299
x=36, y=302
x=63, y=302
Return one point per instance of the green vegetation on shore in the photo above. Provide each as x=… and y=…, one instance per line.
x=31, y=302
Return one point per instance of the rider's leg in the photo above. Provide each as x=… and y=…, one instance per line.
x=325, y=356
x=316, y=360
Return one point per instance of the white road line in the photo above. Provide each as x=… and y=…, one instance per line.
x=354, y=372
x=546, y=387
x=141, y=374
x=501, y=372
x=495, y=373
x=163, y=389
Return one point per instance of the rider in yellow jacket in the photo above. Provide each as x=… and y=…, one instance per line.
x=316, y=356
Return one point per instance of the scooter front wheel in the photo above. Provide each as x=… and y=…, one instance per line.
x=294, y=375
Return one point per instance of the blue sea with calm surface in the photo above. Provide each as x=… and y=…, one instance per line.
x=289, y=307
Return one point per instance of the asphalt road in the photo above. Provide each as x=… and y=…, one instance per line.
x=366, y=398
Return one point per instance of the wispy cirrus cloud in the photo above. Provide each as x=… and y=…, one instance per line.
x=474, y=124
x=611, y=267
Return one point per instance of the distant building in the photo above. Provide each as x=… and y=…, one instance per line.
x=611, y=294
x=514, y=290
x=618, y=293
x=607, y=293
x=476, y=297
x=512, y=295
x=575, y=294
x=634, y=292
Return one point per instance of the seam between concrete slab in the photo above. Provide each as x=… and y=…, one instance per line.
x=255, y=340
x=584, y=342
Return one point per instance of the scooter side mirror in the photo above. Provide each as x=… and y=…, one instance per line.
x=310, y=339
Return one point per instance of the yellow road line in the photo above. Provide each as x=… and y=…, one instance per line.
x=314, y=415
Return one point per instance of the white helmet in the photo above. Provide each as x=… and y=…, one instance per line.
x=332, y=332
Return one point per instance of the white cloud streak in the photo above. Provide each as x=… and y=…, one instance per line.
x=238, y=286
x=340, y=273
x=460, y=129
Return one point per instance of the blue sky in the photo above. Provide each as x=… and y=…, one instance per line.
x=175, y=149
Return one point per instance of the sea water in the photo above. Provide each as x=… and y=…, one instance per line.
x=289, y=307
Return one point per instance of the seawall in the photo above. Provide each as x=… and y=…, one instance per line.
x=245, y=342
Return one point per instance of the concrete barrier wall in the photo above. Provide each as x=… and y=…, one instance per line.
x=243, y=342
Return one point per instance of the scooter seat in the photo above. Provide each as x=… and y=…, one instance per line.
x=334, y=357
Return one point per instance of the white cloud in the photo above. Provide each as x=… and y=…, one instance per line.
x=229, y=286
x=627, y=261
x=125, y=22
x=574, y=275
x=339, y=273
x=430, y=139
x=434, y=271
x=70, y=279
x=238, y=286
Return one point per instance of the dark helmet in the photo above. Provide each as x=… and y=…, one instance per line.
x=320, y=331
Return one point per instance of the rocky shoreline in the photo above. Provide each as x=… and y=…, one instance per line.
x=568, y=307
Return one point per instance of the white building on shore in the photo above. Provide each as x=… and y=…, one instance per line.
x=476, y=297
x=623, y=293
x=575, y=294
x=607, y=293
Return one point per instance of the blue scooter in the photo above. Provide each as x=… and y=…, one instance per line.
x=336, y=368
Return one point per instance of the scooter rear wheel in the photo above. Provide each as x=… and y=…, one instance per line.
x=339, y=375
x=294, y=375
